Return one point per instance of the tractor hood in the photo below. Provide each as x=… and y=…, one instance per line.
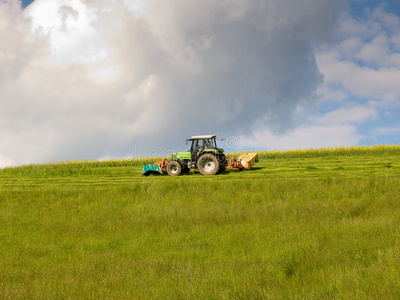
x=181, y=155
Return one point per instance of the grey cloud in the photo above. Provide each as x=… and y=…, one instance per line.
x=182, y=68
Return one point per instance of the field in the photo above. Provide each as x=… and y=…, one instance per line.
x=306, y=224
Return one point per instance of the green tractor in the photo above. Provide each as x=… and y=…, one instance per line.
x=204, y=155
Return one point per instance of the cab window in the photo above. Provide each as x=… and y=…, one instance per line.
x=198, y=144
x=201, y=144
x=209, y=143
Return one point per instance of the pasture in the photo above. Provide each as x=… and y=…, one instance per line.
x=305, y=224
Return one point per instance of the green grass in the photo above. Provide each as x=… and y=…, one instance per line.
x=313, y=224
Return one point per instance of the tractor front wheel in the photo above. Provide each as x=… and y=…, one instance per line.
x=174, y=168
x=208, y=164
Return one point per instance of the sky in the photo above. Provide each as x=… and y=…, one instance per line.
x=99, y=79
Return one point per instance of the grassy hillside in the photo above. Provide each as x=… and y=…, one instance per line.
x=306, y=224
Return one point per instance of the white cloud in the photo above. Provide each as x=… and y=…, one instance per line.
x=304, y=137
x=364, y=69
x=378, y=52
x=365, y=82
x=385, y=131
x=367, y=61
x=70, y=26
x=326, y=94
x=6, y=162
x=345, y=115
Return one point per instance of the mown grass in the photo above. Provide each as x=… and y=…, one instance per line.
x=298, y=226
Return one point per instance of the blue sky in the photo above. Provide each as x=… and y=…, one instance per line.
x=87, y=80
x=358, y=6
x=25, y=3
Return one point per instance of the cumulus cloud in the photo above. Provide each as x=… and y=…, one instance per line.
x=361, y=77
x=360, y=96
x=87, y=79
x=345, y=115
x=362, y=81
x=366, y=62
x=303, y=137
x=385, y=131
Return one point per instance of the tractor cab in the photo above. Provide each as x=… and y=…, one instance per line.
x=201, y=143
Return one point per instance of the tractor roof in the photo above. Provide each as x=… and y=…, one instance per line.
x=203, y=136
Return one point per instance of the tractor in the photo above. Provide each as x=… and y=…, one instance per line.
x=203, y=155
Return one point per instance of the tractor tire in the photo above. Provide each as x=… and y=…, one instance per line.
x=222, y=164
x=208, y=164
x=185, y=170
x=221, y=169
x=174, y=168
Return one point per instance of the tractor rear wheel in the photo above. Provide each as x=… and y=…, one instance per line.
x=174, y=168
x=221, y=169
x=208, y=164
x=222, y=163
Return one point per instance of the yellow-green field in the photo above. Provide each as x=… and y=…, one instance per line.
x=305, y=224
